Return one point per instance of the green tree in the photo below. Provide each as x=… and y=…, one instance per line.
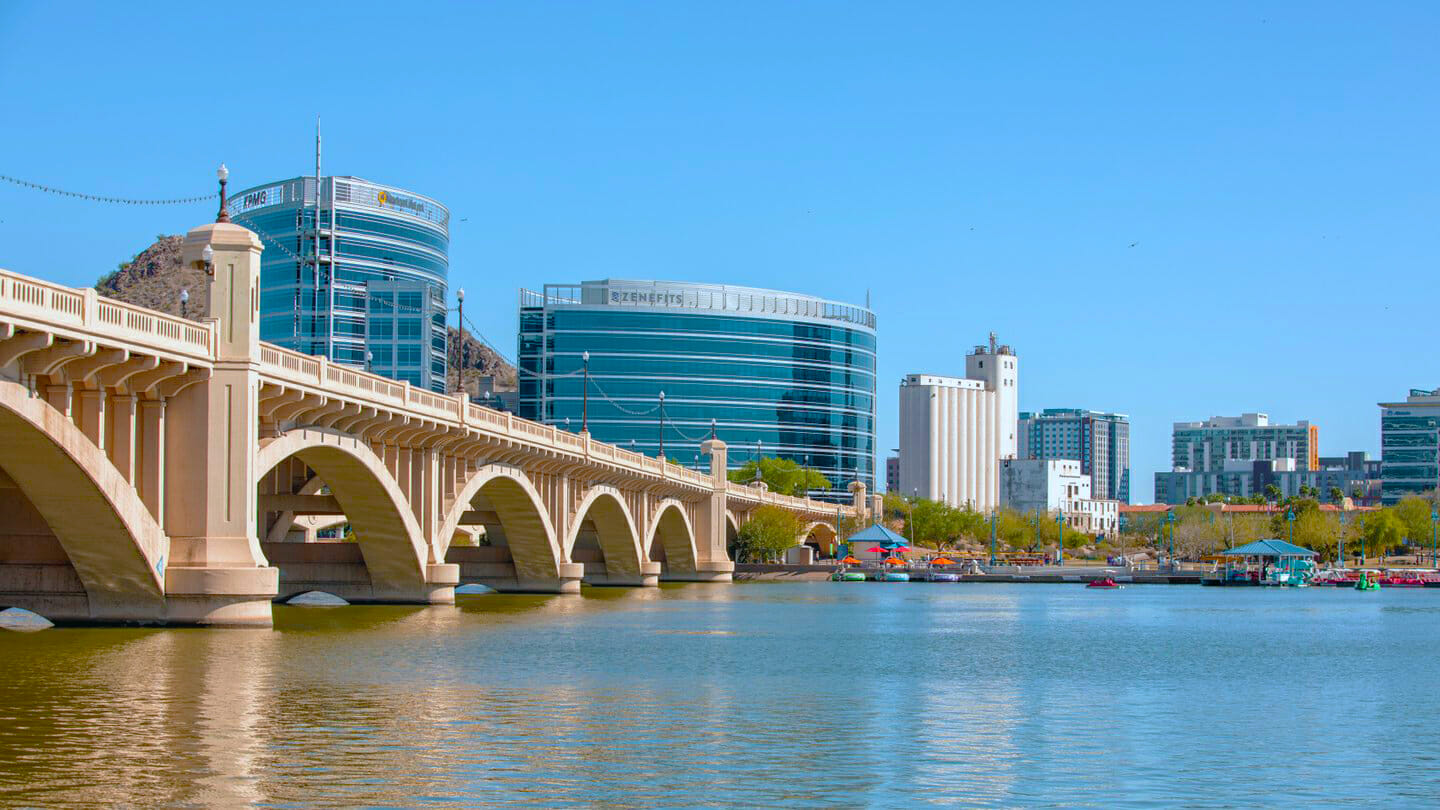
x=767, y=534
x=1383, y=533
x=1414, y=514
x=1336, y=495
x=781, y=475
x=1272, y=493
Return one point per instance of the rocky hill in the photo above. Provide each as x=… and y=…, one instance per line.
x=154, y=277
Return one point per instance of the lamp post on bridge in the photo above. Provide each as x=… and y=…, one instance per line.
x=460, y=321
x=661, y=411
x=585, y=396
x=185, y=295
x=224, y=175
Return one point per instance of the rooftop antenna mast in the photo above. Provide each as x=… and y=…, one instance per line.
x=315, y=302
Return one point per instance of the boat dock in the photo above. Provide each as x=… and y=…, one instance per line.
x=1048, y=574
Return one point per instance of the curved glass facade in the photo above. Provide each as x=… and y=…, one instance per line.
x=379, y=296
x=781, y=374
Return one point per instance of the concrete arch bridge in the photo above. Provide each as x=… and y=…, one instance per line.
x=155, y=469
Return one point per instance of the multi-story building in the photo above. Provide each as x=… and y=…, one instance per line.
x=1237, y=456
x=955, y=430
x=1243, y=479
x=1057, y=487
x=356, y=273
x=780, y=374
x=1409, y=445
x=1099, y=441
x=892, y=474
x=1206, y=446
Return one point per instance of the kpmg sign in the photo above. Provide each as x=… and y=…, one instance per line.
x=646, y=297
x=259, y=198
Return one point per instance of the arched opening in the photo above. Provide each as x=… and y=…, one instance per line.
x=605, y=541
x=672, y=542
x=314, y=479
x=76, y=541
x=732, y=534
x=518, y=550
x=821, y=537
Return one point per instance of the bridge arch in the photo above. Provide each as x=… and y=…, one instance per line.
x=520, y=515
x=390, y=540
x=604, y=508
x=819, y=534
x=671, y=539
x=116, y=547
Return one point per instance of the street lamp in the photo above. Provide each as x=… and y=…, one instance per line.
x=1434, y=545
x=661, y=409
x=369, y=360
x=1170, y=519
x=224, y=175
x=1060, y=538
x=1290, y=519
x=460, y=320
x=207, y=257
x=185, y=300
x=585, y=396
x=992, y=537
x=914, y=496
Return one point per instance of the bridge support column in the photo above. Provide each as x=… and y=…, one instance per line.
x=122, y=434
x=441, y=579
x=151, y=466
x=711, y=562
x=570, y=576
x=217, y=573
x=650, y=574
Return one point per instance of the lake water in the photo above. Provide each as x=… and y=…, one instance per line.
x=780, y=695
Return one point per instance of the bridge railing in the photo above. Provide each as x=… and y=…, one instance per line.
x=84, y=311
x=372, y=389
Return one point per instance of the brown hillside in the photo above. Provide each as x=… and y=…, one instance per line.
x=155, y=277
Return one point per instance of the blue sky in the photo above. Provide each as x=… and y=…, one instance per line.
x=973, y=167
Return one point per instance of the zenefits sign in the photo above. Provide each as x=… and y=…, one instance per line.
x=639, y=297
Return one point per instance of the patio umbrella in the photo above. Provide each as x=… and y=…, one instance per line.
x=875, y=548
x=900, y=548
x=942, y=561
x=894, y=561
x=850, y=561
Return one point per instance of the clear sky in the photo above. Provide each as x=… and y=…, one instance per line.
x=1274, y=166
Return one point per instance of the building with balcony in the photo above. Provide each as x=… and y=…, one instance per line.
x=1099, y=441
x=356, y=273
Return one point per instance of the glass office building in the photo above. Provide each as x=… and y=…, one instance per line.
x=1409, y=445
x=781, y=374
x=378, y=298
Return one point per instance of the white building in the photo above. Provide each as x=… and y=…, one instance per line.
x=954, y=431
x=1056, y=486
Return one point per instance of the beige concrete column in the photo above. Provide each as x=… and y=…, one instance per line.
x=217, y=573
x=92, y=415
x=59, y=398
x=151, y=462
x=122, y=434
x=711, y=562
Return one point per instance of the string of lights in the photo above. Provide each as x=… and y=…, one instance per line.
x=103, y=198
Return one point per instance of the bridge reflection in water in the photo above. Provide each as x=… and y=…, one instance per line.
x=160, y=470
